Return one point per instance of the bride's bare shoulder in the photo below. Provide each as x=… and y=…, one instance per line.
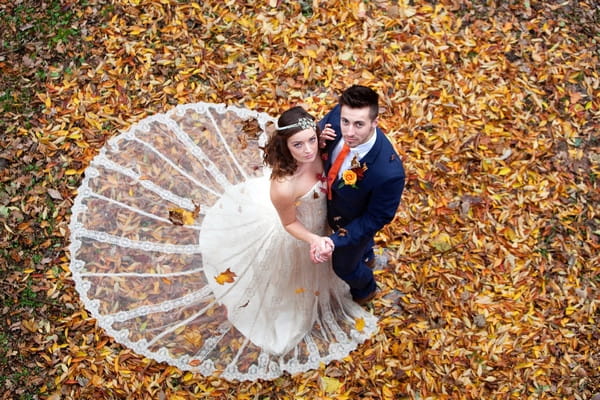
x=283, y=189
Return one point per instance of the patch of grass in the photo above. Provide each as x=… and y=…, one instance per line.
x=28, y=22
x=28, y=298
x=20, y=378
x=36, y=258
x=31, y=167
x=3, y=351
x=108, y=10
x=307, y=9
x=6, y=101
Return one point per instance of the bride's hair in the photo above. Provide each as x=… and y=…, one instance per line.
x=276, y=152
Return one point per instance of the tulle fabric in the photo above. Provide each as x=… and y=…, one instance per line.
x=153, y=284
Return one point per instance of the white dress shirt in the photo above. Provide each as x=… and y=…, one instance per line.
x=359, y=151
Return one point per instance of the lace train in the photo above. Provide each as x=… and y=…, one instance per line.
x=150, y=282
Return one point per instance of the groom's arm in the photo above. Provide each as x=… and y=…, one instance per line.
x=380, y=211
x=332, y=118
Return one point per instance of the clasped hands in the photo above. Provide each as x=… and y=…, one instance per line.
x=321, y=249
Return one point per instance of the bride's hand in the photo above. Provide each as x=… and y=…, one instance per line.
x=321, y=249
x=326, y=134
x=315, y=252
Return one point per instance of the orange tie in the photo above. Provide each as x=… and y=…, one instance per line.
x=335, y=168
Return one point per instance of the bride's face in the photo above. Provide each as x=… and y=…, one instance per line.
x=304, y=145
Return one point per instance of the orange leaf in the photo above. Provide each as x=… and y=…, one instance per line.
x=225, y=277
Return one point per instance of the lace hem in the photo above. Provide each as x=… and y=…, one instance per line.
x=142, y=277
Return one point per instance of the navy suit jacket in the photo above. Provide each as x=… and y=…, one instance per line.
x=364, y=210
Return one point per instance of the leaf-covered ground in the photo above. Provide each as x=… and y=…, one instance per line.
x=493, y=285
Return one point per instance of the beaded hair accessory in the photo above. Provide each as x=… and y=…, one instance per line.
x=303, y=123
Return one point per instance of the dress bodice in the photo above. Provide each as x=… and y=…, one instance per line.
x=311, y=209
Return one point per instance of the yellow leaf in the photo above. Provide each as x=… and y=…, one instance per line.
x=359, y=324
x=299, y=290
x=510, y=234
x=442, y=242
x=136, y=30
x=570, y=310
x=225, y=277
x=96, y=380
x=504, y=171
x=180, y=87
x=179, y=216
x=524, y=365
x=330, y=385
x=311, y=53
x=388, y=393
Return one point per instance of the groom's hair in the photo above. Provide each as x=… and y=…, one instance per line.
x=357, y=96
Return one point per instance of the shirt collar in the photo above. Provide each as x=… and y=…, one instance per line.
x=362, y=149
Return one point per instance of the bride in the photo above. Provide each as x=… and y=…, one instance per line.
x=228, y=287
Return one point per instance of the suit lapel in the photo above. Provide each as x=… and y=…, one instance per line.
x=371, y=156
x=368, y=159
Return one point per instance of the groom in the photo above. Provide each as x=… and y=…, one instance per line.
x=365, y=183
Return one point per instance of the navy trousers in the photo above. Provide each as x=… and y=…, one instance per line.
x=349, y=263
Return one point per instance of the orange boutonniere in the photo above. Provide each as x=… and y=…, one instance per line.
x=351, y=176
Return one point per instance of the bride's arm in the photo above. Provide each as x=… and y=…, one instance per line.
x=284, y=200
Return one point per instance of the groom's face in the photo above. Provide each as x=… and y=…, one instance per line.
x=357, y=126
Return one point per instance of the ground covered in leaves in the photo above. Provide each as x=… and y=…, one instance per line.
x=493, y=286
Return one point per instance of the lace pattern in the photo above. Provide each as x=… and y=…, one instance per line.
x=150, y=284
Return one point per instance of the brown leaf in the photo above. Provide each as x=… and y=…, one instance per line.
x=251, y=129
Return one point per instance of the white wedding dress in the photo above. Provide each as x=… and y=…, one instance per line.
x=229, y=292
